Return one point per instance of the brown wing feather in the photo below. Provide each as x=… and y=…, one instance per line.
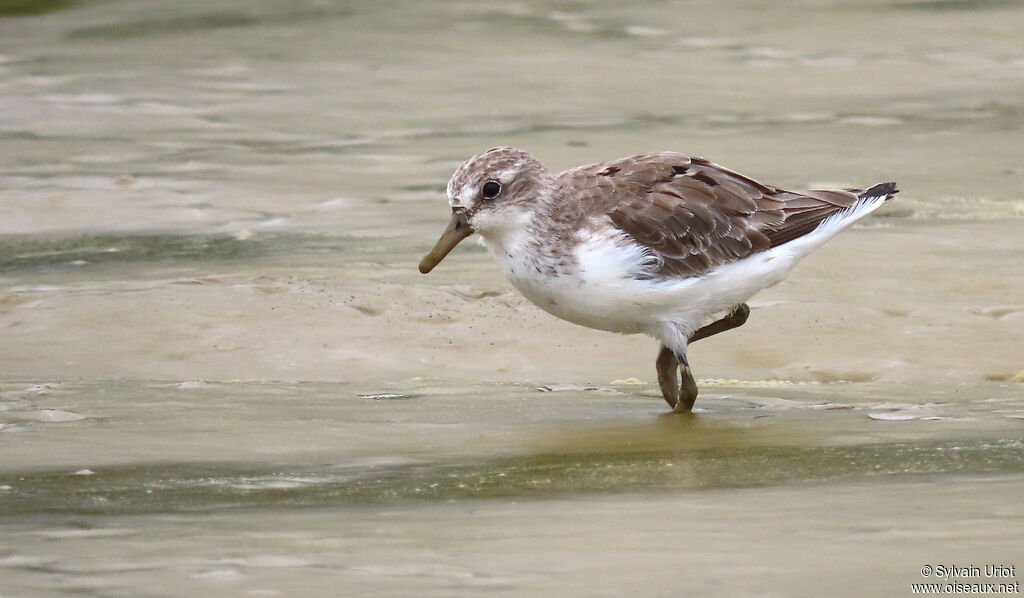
x=693, y=215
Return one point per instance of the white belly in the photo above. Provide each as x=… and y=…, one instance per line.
x=602, y=291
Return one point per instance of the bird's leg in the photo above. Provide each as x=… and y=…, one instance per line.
x=735, y=319
x=668, y=380
x=688, y=390
x=682, y=397
x=670, y=364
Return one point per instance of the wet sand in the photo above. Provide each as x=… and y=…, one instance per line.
x=220, y=371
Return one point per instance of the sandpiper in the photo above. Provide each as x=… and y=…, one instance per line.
x=664, y=244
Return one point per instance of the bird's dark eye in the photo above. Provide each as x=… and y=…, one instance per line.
x=491, y=189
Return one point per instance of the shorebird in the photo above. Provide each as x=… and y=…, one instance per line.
x=664, y=244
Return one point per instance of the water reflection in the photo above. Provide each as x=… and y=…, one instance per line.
x=195, y=486
x=21, y=8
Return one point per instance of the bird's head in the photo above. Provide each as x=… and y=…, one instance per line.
x=491, y=193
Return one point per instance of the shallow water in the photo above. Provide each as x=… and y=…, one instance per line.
x=221, y=373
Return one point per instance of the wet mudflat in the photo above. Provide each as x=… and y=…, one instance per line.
x=221, y=373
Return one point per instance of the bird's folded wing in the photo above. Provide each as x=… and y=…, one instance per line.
x=692, y=215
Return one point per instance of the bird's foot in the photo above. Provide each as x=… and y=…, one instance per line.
x=687, y=392
x=679, y=397
x=735, y=319
x=668, y=378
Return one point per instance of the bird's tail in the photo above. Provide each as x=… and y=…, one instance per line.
x=886, y=190
x=868, y=201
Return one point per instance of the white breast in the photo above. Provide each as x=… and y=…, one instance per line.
x=593, y=285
